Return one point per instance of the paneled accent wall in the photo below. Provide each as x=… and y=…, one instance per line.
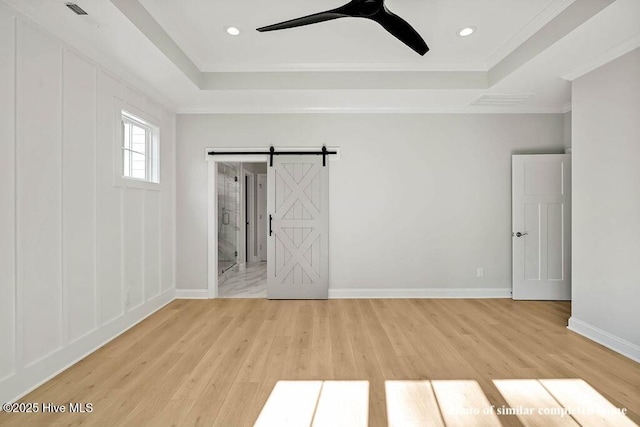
x=81, y=258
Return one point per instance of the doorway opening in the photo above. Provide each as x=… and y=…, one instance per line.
x=241, y=229
x=285, y=232
x=228, y=216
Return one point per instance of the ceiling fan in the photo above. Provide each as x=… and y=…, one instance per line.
x=374, y=10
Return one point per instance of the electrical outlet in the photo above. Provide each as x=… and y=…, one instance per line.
x=480, y=272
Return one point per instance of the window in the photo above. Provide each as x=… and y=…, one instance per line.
x=140, y=157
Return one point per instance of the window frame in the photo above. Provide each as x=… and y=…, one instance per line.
x=128, y=113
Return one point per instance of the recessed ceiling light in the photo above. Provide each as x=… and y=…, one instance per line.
x=232, y=31
x=466, y=31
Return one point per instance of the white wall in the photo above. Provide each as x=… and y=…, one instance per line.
x=256, y=168
x=71, y=243
x=416, y=201
x=567, y=130
x=606, y=205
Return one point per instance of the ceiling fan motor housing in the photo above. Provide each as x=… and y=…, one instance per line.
x=369, y=7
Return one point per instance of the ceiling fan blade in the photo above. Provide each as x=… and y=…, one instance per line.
x=400, y=29
x=309, y=19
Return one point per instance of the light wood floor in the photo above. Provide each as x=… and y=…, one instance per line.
x=216, y=362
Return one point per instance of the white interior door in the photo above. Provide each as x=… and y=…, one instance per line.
x=262, y=216
x=298, y=240
x=541, y=227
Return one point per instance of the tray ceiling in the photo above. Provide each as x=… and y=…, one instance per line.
x=348, y=44
x=178, y=52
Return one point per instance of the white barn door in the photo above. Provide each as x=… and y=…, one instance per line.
x=541, y=227
x=298, y=242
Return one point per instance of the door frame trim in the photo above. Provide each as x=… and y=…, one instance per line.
x=260, y=229
x=212, y=203
x=212, y=216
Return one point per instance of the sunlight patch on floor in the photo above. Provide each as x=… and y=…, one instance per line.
x=560, y=402
x=441, y=403
x=343, y=404
x=526, y=398
x=317, y=403
x=412, y=403
x=291, y=403
x=463, y=403
x=577, y=393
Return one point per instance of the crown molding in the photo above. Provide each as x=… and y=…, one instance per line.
x=381, y=79
x=535, y=25
x=346, y=80
x=142, y=19
x=250, y=109
x=612, y=54
x=529, y=42
x=572, y=17
x=342, y=66
x=553, y=23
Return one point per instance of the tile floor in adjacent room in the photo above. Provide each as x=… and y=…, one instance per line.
x=248, y=283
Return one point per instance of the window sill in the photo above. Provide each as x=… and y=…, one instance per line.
x=136, y=184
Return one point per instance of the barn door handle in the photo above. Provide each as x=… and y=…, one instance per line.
x=270, y=219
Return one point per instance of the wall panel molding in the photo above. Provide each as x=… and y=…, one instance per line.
x=61, y=287
x=7, y=195
x=39, y=189
x=27, y=380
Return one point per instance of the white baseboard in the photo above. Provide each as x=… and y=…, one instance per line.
x=28, y=379
x=192, y=294
x=421, y=293
x=354, y=293
x=605, y=338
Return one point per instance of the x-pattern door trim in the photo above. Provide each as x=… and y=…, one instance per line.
x=305, y=277
x=297, y=256
x=297, y=192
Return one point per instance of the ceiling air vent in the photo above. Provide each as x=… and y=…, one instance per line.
x=501, y=100
x=77, y=9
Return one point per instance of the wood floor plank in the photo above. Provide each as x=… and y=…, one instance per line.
x=299, y=366
x=385, y=354
x=321, y=368
x=368, y=368
x=235, y=409
x=217, y=362
x=343, y=362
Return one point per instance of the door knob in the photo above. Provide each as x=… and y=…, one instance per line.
x=519, y=234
